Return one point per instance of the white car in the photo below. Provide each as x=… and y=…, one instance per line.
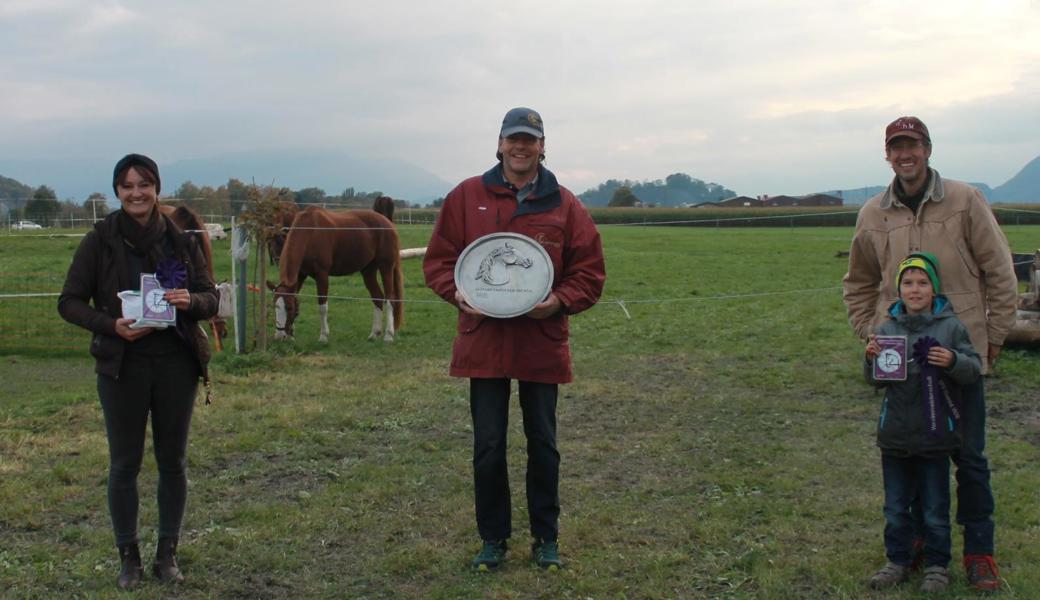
x=25, y=225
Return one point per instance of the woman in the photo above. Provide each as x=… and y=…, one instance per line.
x=142, y=371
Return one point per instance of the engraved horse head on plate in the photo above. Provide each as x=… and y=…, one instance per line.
x=494, y=268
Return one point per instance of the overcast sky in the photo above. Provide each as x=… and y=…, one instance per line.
x=760, y=96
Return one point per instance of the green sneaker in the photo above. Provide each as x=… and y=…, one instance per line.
x=491, y=556
x=546, y=554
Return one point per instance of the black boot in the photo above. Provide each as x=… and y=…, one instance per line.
x=165, y=567
x=130, y=570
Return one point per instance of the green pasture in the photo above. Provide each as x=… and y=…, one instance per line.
x=718, y=441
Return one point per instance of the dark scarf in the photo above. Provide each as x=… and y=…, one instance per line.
x=147, y=239
x=912, y=202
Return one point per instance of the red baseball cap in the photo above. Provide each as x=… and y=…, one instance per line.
x=911, y=127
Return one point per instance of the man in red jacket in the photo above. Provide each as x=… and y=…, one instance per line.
x=517, y=195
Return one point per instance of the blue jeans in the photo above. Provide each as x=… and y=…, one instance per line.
x=927, y=480
x=974, y=494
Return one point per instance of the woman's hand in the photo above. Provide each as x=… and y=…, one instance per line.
x=179, y=298
x=123, y=330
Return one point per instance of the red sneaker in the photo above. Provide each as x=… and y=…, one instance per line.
x=983, y=574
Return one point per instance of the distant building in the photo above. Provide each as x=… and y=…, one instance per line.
x=778, y=200
x=809, y=200
x=820, y=200
x=740, y=202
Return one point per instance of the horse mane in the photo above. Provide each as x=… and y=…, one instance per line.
x=484, y=272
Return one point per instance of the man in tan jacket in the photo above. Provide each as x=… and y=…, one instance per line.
x=922, y=212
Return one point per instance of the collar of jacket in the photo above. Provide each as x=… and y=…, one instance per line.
x=545, y=197
x=941, y=306
x=934, y=193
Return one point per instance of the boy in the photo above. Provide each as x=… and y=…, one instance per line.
x=917, y=428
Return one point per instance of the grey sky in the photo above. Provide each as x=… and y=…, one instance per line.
x=760, y=96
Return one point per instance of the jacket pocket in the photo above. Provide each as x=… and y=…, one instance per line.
x=469, y=323
x=555, y=327
x=105, y=347
x=966, y=257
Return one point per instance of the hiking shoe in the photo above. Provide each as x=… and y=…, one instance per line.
x=983, y=574
x=491, y=556
x=917, y=555
x=889, y=575
x=936, y=579
x=546, y=554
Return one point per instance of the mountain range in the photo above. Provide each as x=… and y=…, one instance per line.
x=334, y=171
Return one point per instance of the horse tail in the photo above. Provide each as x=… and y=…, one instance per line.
x=384, y=205
x=399, y=287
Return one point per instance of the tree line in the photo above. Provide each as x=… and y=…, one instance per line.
x=678, y=189
x=41, y=205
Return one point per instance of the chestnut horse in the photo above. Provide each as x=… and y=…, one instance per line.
x=190, y=221
x=323, y=243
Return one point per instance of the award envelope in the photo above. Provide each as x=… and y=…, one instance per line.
x=890, y=363
x=154, y=310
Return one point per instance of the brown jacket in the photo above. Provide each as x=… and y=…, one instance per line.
x=955, y=223
x=98, y=273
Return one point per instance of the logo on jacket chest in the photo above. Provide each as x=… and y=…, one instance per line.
x=545, y=241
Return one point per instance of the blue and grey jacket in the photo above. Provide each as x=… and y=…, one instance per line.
x=902, y=424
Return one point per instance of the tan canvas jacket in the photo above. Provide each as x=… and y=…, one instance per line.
x=955, y=223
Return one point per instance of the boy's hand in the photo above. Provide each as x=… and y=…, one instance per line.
x=941, y=357
x=873, y=348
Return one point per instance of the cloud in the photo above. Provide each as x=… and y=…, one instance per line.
x=762, y=97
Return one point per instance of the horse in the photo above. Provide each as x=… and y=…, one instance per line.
x=323, y=243
x=191, y=222
x=384, y=205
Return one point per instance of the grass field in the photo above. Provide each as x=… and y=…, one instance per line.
x=718, y=441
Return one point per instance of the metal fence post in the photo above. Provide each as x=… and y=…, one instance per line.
x=239, y=277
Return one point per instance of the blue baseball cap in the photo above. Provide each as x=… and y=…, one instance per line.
x=522, y=120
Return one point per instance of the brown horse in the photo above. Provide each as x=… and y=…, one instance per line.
x=323, y=243
x=190, y=221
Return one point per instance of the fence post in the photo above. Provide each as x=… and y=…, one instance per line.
x=239, y=278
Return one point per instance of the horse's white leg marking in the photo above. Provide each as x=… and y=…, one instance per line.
x=388, y=333
x=279, y=318
x=377, y=323
x=323, y=311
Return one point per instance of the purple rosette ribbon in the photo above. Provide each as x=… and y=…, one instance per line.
x=171, y=273
x=931, y=386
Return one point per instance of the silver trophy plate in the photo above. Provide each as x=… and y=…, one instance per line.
x=504, y=275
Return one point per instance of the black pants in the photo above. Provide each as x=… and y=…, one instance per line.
x=489, y=405
x=165, y=387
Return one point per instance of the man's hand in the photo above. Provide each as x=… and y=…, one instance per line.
x=991, y=358
x=123, y=330
x=464, y=306
x=547, y=308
